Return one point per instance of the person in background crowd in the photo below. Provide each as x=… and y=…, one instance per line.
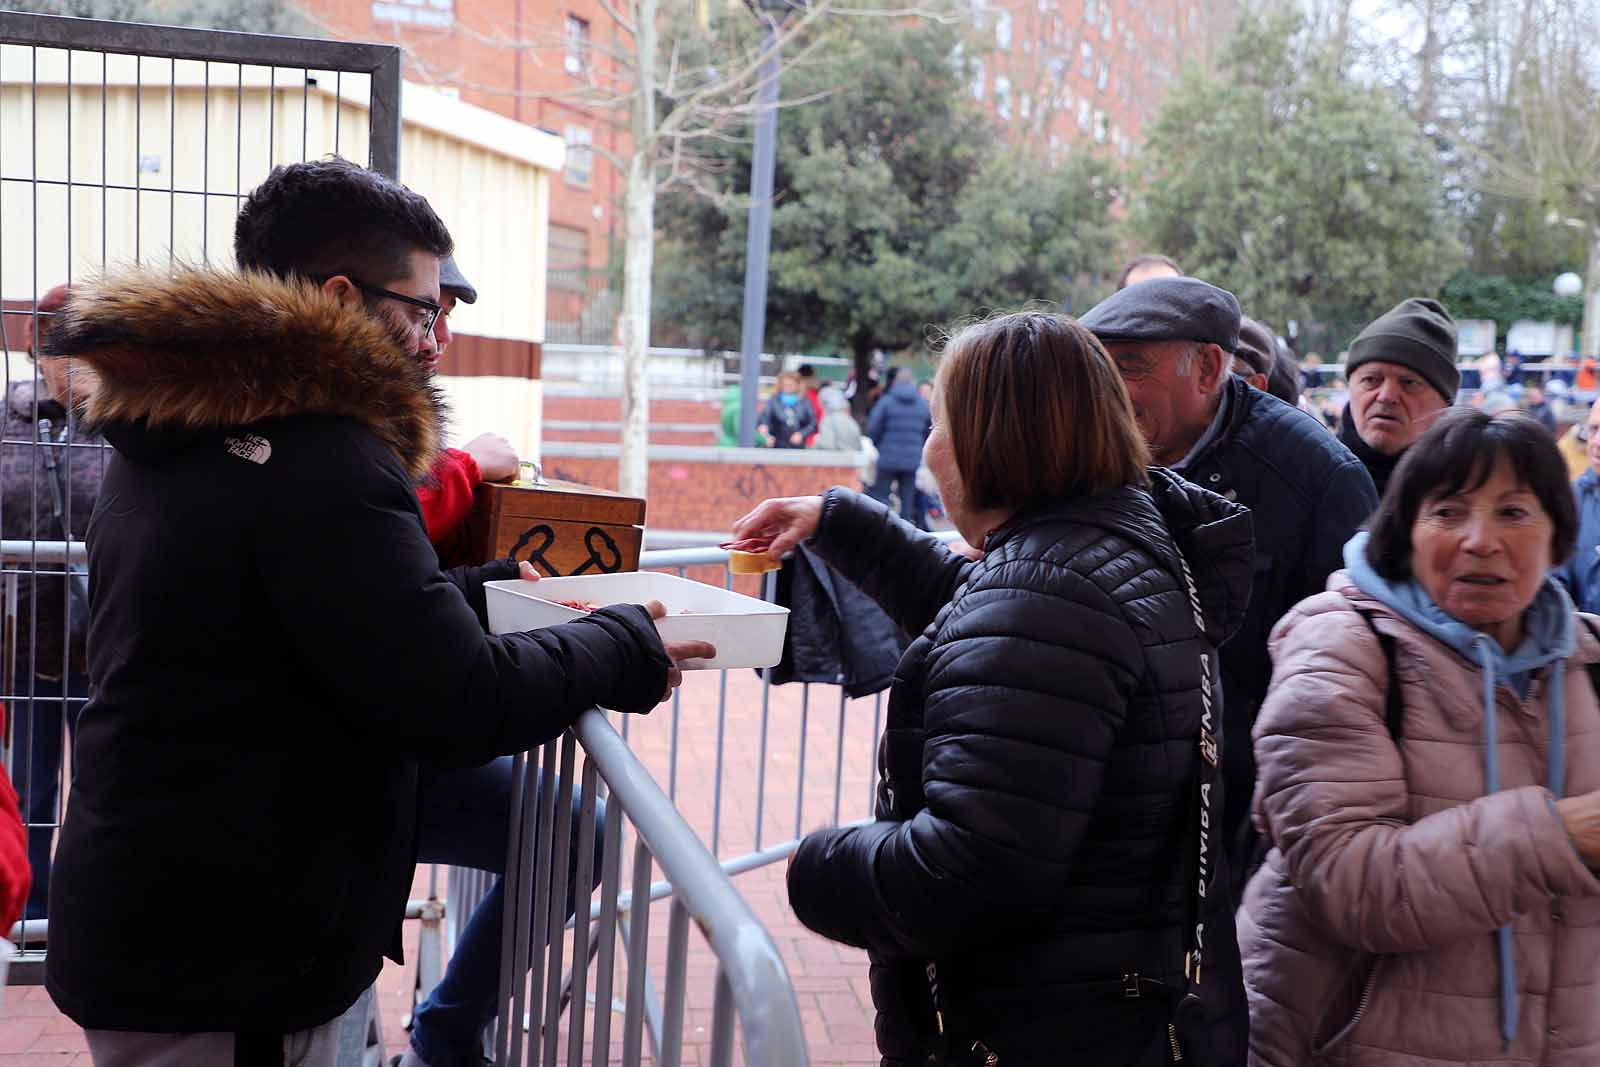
x=446, y=494
x=1513, y=367
x=728, y=425
x=1150, y=265
x=1538, y=408
x=1403, y=373
x=1310, y=375
x=294, y=399
x=839, y=431
x=900, y=423
x=1283, y=381
x=810, y=386
x=51, y=464
x=1580, y=575
x=1587, y=380
x=1254, y=356
x=788, y=419
x=1172, y=340
x=1026, y=896
x=1430, y=780
x=1492, y=397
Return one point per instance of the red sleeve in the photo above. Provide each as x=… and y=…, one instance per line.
x=447, y=496
x=816, y=409
x=15, y=877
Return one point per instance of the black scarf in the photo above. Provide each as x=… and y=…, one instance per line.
x=1378, y=465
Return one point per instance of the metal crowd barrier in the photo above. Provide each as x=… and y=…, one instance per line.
x=750, y=985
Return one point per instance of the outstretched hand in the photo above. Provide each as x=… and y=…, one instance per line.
x=776, y=526
x=679, y=651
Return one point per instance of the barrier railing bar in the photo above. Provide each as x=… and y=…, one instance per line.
x=522, y=903
x=722, y=1023
x=838, y=758
x=543, y=878
x=179, y=42
x=677, y=979
x=638, y=949
x=556, y=909
x=577, y=984
x=800, y=778
x=606, y=937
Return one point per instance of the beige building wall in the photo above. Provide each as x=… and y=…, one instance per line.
x=118, y=161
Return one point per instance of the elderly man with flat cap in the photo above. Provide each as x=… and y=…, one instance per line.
x=1402, y=374
x=1173, y=339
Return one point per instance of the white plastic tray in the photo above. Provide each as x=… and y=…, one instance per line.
x=746, y=632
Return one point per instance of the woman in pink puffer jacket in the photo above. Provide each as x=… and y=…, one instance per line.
x=1429, y=897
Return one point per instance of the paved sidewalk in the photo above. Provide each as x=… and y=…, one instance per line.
x=830, y=980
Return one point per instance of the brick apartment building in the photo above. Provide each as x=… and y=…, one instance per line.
x=1096, y=71
x=512, y=56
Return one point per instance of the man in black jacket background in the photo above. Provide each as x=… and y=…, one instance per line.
x=272, y=645
x=1172, y=339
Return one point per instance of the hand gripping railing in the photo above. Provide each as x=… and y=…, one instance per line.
x=547, y=824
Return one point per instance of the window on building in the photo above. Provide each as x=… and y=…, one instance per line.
x=1105, y=73
x=569, y=257
x=1025, y=106
x=978, y=80
x=1002, y=96
x=1002, y=29
x=578, y=58
x=580, y=157
x=1105, y=24
x=1058, y=70
x=1088, y=59
x=1083, y=115
x=1100, y=127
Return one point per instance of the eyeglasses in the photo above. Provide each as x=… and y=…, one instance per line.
x=433, y=310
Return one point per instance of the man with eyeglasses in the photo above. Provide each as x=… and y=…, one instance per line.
x=273, y=648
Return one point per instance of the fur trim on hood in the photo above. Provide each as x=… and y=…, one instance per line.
x=198, y=349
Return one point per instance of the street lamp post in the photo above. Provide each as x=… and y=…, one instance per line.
x=758, y=242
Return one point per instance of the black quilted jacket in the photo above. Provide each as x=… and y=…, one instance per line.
x=1039, y=772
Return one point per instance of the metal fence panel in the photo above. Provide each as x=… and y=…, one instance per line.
x=121, y=144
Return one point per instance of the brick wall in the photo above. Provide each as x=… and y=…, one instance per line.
x=703, y=495
x=708, y=436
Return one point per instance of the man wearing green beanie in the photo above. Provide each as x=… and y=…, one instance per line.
x=1402, y=373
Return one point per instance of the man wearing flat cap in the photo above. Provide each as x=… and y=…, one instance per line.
x=1402, y=374
x=1174, y=339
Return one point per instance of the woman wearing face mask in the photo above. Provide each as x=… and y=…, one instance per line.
x=1429, y=760
x=1029, y=891
x=788, y=419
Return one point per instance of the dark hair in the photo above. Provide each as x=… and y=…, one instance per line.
x=1146, y=260
x=807, y=371
x=1035, y=409
x=1458, y=454
x=1283, y=380
x=330, y=216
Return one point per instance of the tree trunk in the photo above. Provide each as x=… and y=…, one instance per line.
x=861, y=403
x=1591, y=297
x=639, y=234
x=634, y=475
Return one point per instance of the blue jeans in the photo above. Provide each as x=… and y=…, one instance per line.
x=36, y=763
x=465, y=822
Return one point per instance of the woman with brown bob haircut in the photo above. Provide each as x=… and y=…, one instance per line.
x=1030, y=891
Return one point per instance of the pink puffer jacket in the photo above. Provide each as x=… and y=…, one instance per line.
x=1368, y=936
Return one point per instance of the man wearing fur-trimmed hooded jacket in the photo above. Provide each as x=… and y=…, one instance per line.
x=271, y=639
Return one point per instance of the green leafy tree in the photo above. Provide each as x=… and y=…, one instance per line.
x=1506, y=300
x=1309, y=195
x=899, y=209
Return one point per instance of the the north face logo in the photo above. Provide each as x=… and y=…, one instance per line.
x=251, y=447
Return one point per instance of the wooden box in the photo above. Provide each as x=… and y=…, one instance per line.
x=562, y=528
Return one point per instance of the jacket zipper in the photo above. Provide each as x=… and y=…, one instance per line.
x=1366, y=996
x=1177, y=1050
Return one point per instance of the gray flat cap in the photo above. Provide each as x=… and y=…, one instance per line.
x=451, y=278
x=1168, y=309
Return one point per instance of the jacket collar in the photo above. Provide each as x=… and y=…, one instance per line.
x=200, y=350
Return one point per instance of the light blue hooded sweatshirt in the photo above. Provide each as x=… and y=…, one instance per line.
x=1548, y=638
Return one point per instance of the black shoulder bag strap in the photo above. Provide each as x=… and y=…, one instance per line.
x=1394, y=708
x=1188, y=1031
x=1593, y=669
x=77, y=574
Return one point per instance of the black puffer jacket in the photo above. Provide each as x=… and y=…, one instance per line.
x=272, y=647
x=1039, y=776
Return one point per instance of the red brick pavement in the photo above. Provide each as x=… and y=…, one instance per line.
x=829, y=980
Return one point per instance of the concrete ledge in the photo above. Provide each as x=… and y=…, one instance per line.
x=737, y=457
